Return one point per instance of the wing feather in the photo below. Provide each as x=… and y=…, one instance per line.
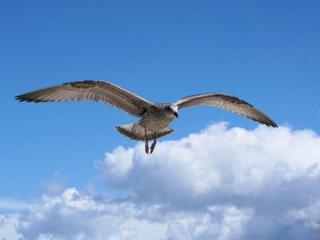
x=229, y=103
x=98, y=91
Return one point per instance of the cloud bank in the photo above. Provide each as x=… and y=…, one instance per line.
x=221, y=183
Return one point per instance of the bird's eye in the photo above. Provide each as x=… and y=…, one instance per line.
x=167, y=108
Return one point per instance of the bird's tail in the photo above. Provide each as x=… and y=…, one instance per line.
x=136, y=132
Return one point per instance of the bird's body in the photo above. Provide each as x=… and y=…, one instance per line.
x=154, y=118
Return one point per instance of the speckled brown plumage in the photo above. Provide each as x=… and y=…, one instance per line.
x=154, y=118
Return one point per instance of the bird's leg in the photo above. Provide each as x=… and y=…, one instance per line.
x=154, y=143
x=146, y=147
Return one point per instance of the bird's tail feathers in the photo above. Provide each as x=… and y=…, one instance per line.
x=136, y=132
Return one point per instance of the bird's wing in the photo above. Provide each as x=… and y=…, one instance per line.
x=226, y=102
x=98, y=91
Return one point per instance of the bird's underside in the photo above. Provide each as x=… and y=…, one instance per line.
x=154, y=118
x=136, y=132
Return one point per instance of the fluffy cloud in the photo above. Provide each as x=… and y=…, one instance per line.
x=219, y=166
x=221, y=183
x=272, y=172
x=79, y=216
x=8, y=227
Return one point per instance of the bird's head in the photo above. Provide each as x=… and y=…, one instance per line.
x=173, y=109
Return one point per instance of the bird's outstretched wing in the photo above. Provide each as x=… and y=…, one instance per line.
x=226, y=102
x=99, y=91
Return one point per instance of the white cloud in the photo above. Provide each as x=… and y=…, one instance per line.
x=8, y=227
x=225, y=184
x=309, y=216
x=270, y=171
x=218, y=165
x=78, y=216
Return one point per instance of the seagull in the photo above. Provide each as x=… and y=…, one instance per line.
x=154, y=117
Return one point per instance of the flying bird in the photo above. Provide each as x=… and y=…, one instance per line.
x=154, y=118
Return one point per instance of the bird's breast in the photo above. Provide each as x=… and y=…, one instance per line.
x=155, y=121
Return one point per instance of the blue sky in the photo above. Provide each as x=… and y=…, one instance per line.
x=266, y=52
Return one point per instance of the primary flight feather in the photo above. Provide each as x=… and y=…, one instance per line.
x=154, y=118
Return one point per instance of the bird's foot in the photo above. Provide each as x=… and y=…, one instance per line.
x=146, y=147
x=153, y=145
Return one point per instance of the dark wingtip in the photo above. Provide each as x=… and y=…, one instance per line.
x=268, y=123
x=25, y=98
x=272, y=124
x=19, y=98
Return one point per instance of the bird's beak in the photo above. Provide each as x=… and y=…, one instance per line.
x=176, y=114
